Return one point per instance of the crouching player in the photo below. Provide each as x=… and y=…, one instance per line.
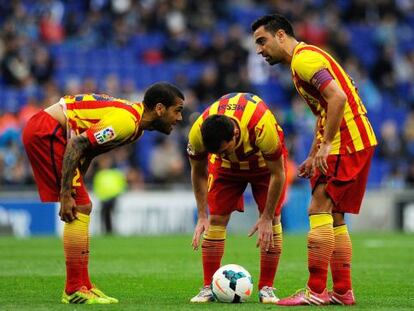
x=60, y=143
x=237, y=141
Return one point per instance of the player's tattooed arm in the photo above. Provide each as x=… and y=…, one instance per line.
x=75, y=151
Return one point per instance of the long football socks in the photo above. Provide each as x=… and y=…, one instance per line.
x=212, y=249
x=321, y=243
x=76, y=248
x=269, y=260
x=341, y=260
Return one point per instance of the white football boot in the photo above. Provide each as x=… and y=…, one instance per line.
x=205, y=295
x=266, y=295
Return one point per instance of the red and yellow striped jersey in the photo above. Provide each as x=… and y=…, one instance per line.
x=260, y=135
x=107, y=121
x=355, y=131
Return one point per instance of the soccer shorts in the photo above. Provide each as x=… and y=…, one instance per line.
x=346, y=179
x=45, y=141
x=226, y=188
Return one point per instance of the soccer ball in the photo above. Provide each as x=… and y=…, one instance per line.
x=232, y=283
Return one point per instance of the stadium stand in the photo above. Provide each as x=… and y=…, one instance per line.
x=50, y=48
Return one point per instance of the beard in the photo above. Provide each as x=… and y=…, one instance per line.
x=161, y=125
x=273, y=61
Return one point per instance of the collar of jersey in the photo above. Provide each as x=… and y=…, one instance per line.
x=139, y=107
x=297, y=47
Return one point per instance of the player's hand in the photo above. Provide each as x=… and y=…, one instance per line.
x=264, y=230
x=67, y=211
x=306, y=168
x=202, y=225
x=320, y=158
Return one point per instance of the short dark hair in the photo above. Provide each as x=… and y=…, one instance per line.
x=215, y=130
x=273, y=23
x=161, y=92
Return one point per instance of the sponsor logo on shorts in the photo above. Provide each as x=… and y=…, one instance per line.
x=105, y=135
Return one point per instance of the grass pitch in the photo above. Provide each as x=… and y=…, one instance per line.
x=163, y=273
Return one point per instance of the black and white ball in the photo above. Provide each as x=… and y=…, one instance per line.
x=232, y=283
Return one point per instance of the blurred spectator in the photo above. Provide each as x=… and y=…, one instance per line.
x=383, y=69
x=28, y=110
x=135, y=179
x=9, y=129
x=366, y=88
x=15, y=67
x=207, y=89
x=166, y=162
x=391, y=146
x=409, y=179
x=89, y=85
x=15, y=169
x=312, y=30
x=108, y=184
x=42, y=66
x=129, y=91
x=112, y=86
x=49, y=48
x=408, y=134
x=395, y=179
x=51, y=31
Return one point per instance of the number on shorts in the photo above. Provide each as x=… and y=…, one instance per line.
x=209, y=182
x=76, y=180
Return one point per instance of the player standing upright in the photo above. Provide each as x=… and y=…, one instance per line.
x=61, y=141
x=234, y=142
x=338, y=162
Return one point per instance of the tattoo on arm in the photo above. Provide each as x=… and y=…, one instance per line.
x=74, y=152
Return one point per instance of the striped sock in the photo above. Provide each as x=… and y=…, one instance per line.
x=321, y=243
x=75, y=245
x=212, y=250
x=269, y=260
x=341, y=260
x=85, y=265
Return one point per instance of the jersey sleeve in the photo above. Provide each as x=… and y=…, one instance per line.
x=267, y=138
x=115, y=127
x=307, y=63
x=195, y=147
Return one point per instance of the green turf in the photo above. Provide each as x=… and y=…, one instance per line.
x=163, y=273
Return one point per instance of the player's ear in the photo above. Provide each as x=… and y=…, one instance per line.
x=236, y=132
x=281, y=35
x=159, y=109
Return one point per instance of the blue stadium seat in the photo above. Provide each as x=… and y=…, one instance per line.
x=142, y=42
x=273, y=94
x=379, y=169
x=363, y=44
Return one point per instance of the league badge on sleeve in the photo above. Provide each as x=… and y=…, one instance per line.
x=190, y=150
x=105, y=135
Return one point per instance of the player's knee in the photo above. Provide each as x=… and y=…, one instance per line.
x=276, y=220
x=219, y=220
x=339, y=219
x=321, y=202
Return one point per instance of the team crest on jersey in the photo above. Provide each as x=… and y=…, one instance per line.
x=190, y=150
x=105, y=135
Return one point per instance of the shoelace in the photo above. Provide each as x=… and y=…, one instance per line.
x=204, y=291
x=87, y=292
x=269, y=290
x=298, y=292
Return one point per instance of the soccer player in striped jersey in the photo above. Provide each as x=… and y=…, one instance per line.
x=338, y=162
x=237, y=141
x=61, y=141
